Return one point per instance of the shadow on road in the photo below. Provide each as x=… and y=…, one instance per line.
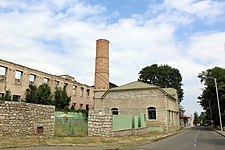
x=203, y=128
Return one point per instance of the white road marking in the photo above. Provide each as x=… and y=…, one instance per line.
x=195, y=140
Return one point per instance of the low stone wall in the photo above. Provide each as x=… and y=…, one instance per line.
x=100, y=124
x=134, y=131
x=18, y=118
x=140, y=131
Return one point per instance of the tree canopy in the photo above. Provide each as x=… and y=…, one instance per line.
x=196, y=118
x=31, y=94
x=61, y=99
x=40, y=95
x=7, y=96
x=208, y=98
x=163, y=76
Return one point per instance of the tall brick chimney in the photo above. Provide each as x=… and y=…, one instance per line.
x=102, y=65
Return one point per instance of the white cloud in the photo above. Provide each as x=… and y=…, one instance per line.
x=204, y=9
x=207, y=48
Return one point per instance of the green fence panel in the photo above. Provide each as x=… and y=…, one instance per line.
x=76, y=115
x=59, y=113
x=141, y=120
x=121, y=122
x=135, y=121
x=70, y=126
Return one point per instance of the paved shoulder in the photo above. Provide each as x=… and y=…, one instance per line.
x=200, y=138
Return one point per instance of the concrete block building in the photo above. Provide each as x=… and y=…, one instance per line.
x=17, y=78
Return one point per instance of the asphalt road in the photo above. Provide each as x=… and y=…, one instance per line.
x=197, y=138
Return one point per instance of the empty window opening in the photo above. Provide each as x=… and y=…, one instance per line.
x=16, y=97
x=74, y=90
x=115, y=111
x=172, y=116
x=81, y=106
x=46, y=80
x=18, y=75
x=81, y=91
x=65, y=85
x=56, y=83
x=40, y=130
x=88, y=92
x=32, y=77
x=87, y=107
x=1, y=95
x=151, y=113
x=169, y=115
x=3, y=70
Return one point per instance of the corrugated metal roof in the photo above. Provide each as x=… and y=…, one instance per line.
x=134, y=85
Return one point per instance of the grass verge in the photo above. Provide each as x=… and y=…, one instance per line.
x=85, y=141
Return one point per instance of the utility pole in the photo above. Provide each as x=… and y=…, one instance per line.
x=218, y=102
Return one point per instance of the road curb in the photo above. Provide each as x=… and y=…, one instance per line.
x=219, y=132
x=173, y=133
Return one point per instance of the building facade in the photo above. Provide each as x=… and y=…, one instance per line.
x=17, y=78
x=160, y=108
x=186, y=120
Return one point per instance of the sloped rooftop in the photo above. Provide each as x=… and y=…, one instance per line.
x=134, y=85
x=170, y=91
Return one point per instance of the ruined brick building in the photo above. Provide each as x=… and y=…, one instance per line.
x=16, y=78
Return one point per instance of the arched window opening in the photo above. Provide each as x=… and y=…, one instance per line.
x=151, y=113
x=115, y=111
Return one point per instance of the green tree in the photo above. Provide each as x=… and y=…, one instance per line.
x=163, y=76
x=43, y=95
x=196, y=118
x=31, y=94
x=7, y=96
x=204, y=119
x=181, y=109
x=61, y=99
x=208, y=98
x=40, y=95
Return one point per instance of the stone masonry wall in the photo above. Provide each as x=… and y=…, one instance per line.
x=18, y=118
x=133, y=131
x=133, y=102
x=100, y=124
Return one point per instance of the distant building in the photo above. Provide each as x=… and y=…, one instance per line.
x=186, y=120
x=17, y=78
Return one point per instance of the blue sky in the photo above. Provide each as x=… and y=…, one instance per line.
x=58, y=37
